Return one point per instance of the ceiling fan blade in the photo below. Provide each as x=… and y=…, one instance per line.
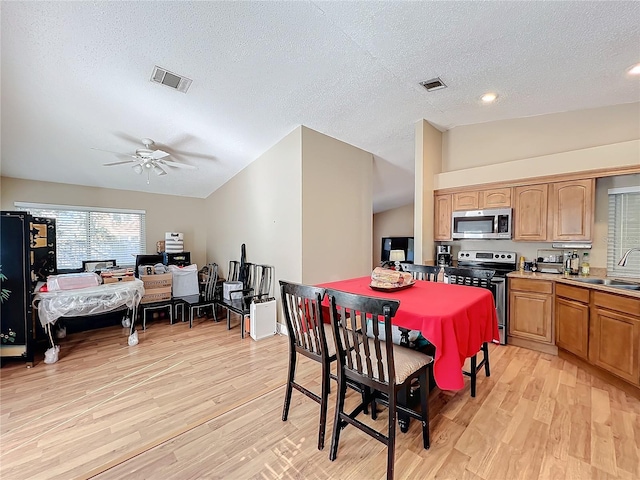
x=118, y=163
x=158, y=154
x=178, y=165
x=120, y=154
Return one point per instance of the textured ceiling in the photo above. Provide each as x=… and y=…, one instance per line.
x=75, y=76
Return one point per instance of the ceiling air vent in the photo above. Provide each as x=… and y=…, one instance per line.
x=169, y=79
x=433, y=84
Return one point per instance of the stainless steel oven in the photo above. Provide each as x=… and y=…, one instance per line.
x=502, y=263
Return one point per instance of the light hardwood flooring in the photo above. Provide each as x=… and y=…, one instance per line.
x=202, y=403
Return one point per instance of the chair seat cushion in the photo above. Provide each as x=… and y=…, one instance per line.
x=407, y=361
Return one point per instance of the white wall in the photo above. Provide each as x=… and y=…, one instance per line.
x=397, y=222
x=261, y=207
x=337, y=212
x=164, y=213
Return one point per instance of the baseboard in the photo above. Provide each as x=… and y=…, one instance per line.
x=281, y=329
x=532, y=345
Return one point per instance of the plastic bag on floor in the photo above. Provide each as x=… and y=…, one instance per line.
x=133, y=339
x=126, y=322
x=61, y=332
x=51, y=355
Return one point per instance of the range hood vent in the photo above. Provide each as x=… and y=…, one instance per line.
x=169, y=79
x=433, y=84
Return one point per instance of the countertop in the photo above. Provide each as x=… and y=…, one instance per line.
x=569, y=280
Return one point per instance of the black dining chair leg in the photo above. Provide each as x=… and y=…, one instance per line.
x=474, y=361
x=403, y=419
x=391, y=441
x=228, y=319
x=485, y=350
x=324, y=400
x=290, y=377
x=424, y=407
x=338, y=423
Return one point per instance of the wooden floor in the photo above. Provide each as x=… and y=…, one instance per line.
x=204, y=404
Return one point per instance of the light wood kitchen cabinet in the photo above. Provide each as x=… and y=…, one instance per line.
x=480, y=199
x=531, y=310
x=571, y=207
x=614, y=336
x=572, y=319
x=442, y=217
x=466, y=201
x=495, y=198
x=530, y=213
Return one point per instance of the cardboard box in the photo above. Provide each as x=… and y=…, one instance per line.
x=156, y=295
x=127, y=278
x=162, y=280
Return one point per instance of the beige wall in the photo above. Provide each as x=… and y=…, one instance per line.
x=397, y=222
x=337, y=209
x=164, y=213
x=525, y=138
x=261, y=208
x=427, y=166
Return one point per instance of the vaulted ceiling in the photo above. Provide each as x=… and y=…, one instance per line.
x=76, y=76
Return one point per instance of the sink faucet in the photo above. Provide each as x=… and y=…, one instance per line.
x=623, y=260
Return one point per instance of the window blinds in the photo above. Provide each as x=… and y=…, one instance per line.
x=86, y=233
x=624, y=231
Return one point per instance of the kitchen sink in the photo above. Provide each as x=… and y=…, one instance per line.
x=610, y=283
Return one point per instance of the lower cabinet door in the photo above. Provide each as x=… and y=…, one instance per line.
x=530, y=316
x=572, y=326
x=615, y=343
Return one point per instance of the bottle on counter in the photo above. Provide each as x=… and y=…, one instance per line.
x=575, y=263
x=521, y=265
x=566, y=262
x=585, y=264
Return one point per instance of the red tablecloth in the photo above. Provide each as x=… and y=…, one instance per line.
x=455, y=318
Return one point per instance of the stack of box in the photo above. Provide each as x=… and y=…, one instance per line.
x=115, y=275
x=157, y=287
x=173, y=242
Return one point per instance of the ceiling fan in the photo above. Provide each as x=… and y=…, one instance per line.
x=146, y=159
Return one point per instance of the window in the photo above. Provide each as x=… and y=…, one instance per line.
x=90, y=233
x=624, y=231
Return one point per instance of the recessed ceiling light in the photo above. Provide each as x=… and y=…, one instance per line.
x=635, y=70
x=489, y=97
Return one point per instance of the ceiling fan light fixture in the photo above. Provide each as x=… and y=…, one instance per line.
x=137, y=168
x=159, y=171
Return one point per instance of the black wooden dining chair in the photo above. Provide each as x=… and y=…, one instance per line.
x=206, y=297
x=422, y=272
x=474, y=277
x=301, y=305
x=383, y=368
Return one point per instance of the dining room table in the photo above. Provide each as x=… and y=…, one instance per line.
x=456, y=319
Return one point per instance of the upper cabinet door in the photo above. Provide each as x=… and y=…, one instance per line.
x=530, y=213
x=571, y=208
x=496, y=198
x=442, y=217
x=465, y=201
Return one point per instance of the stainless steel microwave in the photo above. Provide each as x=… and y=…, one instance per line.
x=490, y=223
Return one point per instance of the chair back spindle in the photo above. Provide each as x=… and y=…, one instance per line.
x=422, y=272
